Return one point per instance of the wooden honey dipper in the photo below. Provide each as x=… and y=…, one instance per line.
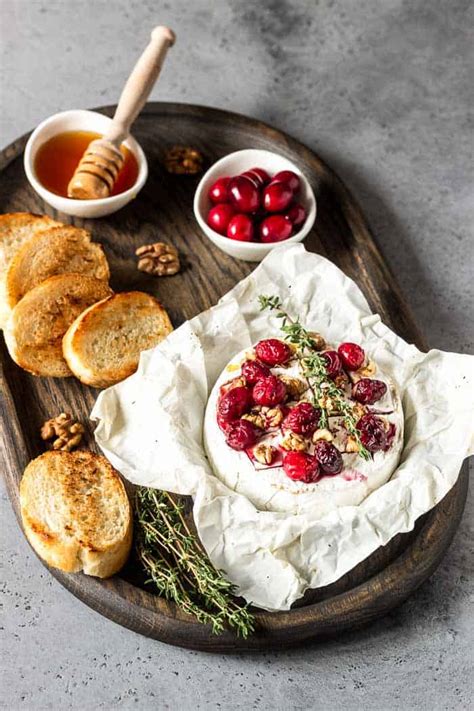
x=99, y=167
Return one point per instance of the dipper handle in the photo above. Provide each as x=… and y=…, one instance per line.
x=139, y=84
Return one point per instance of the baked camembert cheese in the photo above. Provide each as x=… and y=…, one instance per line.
x=303, y=428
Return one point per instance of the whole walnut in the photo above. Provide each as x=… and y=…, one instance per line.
x=65, y=432
x=183, y=160
x=160, y=259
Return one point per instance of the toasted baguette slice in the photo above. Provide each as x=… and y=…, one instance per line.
x=15, y=229
x=104, y=343
x=76, y=513
x=37, y=324
x=60, y=250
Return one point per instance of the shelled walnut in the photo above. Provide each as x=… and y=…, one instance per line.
x=159, y=258
x=318, y=341
x=294, y=443
x=237, y=383
x=294, y=386
x=351, y=445
x=341, y=381
x=358, y=410
x=367, y=370
x=323, y=434
x=255, y=419
x=264, y=453
x=325, y=402
x=183, y=160
x=65, y=432
x=273, y=416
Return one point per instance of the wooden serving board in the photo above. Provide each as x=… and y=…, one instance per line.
x=163, y=212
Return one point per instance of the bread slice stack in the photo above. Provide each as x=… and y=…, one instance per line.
x=15, y=229
x=58, y=313
x=76, y=513
x=51, y=273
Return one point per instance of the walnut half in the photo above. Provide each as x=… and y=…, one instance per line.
x=273, y=416
x=318, y=341
x=65, y=432
x=323, y=434
x=351, y=445
x=294, y=386
x=294, y=443
x=159, y=258
x=264, y=453
x=183, y=160
x=255, y=419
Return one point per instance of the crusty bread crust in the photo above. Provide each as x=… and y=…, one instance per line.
x=60, y=250
x=103, y=345
x=76, y=513
x=15, y=229
x=38, y=322
x=18, y=226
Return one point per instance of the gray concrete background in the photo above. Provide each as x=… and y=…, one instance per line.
x=381, y=89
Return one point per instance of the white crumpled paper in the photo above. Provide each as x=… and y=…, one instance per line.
x=150, y=427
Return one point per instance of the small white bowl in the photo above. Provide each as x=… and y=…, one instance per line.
x=81, y=120
x=234, y=164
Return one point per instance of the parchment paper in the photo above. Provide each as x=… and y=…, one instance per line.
x=150, y=427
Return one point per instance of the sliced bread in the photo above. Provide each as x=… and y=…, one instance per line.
x=37, y=324
x=76, y=513
x=15, y=229
x=61, y=250
x=104, y=343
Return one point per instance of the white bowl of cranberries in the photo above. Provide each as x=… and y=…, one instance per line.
x=252, y=201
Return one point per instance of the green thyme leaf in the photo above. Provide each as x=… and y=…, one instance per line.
x=314, y=369
x=178, y=567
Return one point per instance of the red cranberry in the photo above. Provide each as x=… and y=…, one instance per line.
x=296, y=214
x=252, y=371
x=368, y=391
x=352, y=355
x=372, y=432
x=391, y=432
x=241, y=434
x=243, y=194
x=233, y=403
x=218, y=191
x=219, y=217
x=333, y=363
x=288, y=176
x=262, y=175
x=223, y=424
x=300, y=466
x=272, y=351
x=269, y=391
x=329, y=457
x=277, y=196
x=256, y=180
x=275, y=228
x=240, y=227
x=302, y=419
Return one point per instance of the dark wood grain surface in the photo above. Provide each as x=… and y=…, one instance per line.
x=163, y=212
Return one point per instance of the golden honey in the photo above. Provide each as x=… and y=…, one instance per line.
x=58, y=158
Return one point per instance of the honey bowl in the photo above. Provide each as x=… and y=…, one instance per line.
x=47, y=183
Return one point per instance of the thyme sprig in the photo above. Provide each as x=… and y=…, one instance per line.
x=314, y=370
x=179, y=568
